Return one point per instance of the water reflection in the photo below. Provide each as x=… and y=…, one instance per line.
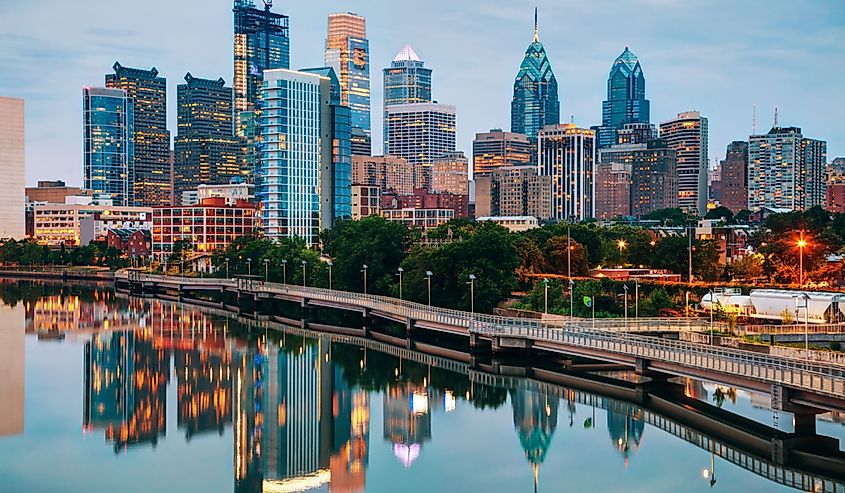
x=298, y=408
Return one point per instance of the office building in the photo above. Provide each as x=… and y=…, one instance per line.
x=360, y=142
x=514, y=224
x=231, y=192
x=148, y=93
x=389, y=173
x=535, y=97
x=12, y=168
x=636, y=133
x=78, y=224
x=132, y=242
x=304, y=174
x=497, y=149
x=366, y=201
x=415, y=218
x=567, y=153
x=514, y=191
x=208, y=227
x=422, y=199
x=613, y=190
x=12, y=364
x=206, y=150
x=54, y=192
x=786, y=170
x=654, y=178
x=734, y=177
x=407, y=80
x=348, y=53
x=687, y=135
x=420, y=132
x=626, y=102
x=450, y=173
x=108, y=144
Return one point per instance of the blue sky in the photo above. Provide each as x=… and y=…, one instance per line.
x=720, y=57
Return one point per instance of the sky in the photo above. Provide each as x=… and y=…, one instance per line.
x=720, y=57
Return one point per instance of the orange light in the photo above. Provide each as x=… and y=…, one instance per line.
x=802, y=243
x=621, y=244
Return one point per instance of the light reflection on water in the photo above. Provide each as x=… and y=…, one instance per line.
x=173, y=398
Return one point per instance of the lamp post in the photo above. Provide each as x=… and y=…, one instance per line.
x=399, y=271
x=636, y=298
x=802, y=243
x=330, y=264
x=689, y=237
x=364, y=270
x=625, y=287
x=806, y=298
x=284, y=271
x=304, y=263
x=227, y=268
x=546, y=296
x=571, y=298
x=266, y=269
x=472, y=296
x=712, y=306
x=428, y=275
x=249, y=267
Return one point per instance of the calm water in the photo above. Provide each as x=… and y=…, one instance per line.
x=104, y=393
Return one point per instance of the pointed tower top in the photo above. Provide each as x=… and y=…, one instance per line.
x=407, y=54
x=536, y=31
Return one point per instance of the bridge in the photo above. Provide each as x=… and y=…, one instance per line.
x=802, y=387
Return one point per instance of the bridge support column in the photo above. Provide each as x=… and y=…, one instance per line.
x=804, y=425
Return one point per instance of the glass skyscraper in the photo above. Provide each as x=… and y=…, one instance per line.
x=687, y=135
x=304, y=170
x=108, y=143
x=535, y=97
x=626, y=102
x=206, y=150
x=568, y=154
x=148, y=92
x=420, y=133
x=348, y=53
x=406, y=81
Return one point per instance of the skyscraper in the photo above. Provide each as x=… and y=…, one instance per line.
x=406, y=81
x=687, y=135
x=420, y=132
x=450, y=174
x=206, y=150
x=626, y=102
x=535, y=97
x=735, y=177
x=654, y=177
x=303, y=178
x=148, y=92
x=786, y=170
x=348, y=53
x=613, y=190
x=567, y=153
x=12, y=168
x=496, y=149
x=108, y=146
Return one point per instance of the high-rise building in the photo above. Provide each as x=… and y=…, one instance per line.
x=420, y=132
x=108, y=145
x=567, y=153
x=735, y=177
x=148, y=92
x=687, y=135
x=206, y=150
x=613, y=190
x=514, y=191
x=12, y=168
x=389, y=173
x=535, y=97
x=304, y=176
x=406, y=81
x=360, y=142
x=786, y=170
x=626, y=102
x=654, y=178
x=348, y=53
x=497, y=149
x=450, y=173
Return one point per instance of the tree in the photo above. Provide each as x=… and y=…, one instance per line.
x=558, y=260
x=748, y=267
x=669, y=217
x=558, y=300
x=720, y=213
x=672, y=253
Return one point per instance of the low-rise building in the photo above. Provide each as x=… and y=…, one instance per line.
x=420, y=218
x=513, y=223
x=79, y=224
x=366, y=201
x=422, y=199
x=660, y=275
x=208, y=226
x=132, y=242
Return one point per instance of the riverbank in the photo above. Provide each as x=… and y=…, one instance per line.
x=75, y=273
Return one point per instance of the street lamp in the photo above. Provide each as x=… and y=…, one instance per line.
x=806, y=299
x=330, y=264
x=571, y=298
x=266, y=269
x=364, y=270
x=546, y=296
x=625, y=287
x=400, y=270
x=428, y=275
x=802, y=243
x=249, y=267
x=636, y=298
x=284, y=271
x=304, y=263
x=227, y=268
x=712, y=306
x=621, y=244
x=472, y=296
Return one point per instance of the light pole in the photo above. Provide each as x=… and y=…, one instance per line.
x=428, y=275
x=636, y=298
x=330, y=264
x=571, y=298
x=689, y=237
x=364, y=270
x=227, y=268
x=802, y=243
x=284, y=271
x=249, y=267
x=806, y=324
x=625, y=287
x=304, y=263
x=266, y=269
x=400, y=270
x=472, y=296
x=546, y=296
x=712, y=306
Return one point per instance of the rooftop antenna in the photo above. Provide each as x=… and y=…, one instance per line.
x=572, y=119
x=776, y=117
x=536, y=31
x=754, y=120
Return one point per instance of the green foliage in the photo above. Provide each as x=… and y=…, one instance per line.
x=559, y=259
x=291, y=250
x=669, y=217
x=29, y=253
x=720, y=213
x=558, y=296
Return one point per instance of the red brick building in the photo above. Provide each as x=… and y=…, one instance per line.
x=422, y=199
x=208, y=226
x=835, y=197
x=132, y=242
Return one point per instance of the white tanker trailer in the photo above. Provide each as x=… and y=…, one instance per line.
x=769, y=304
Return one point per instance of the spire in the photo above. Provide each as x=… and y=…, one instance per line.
x=536, y=31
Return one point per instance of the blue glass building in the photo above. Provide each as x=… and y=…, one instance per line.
x=348, y=53
x=626, y=102
x=535, y=96
x=406, y=81
x=109, y=143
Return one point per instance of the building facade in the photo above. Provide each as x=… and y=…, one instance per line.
x=422, y=199
x=366, y=201
x=613, y=190
x=419, y=132
x=535, y=94
x=132, y=242
x=567, y=154
x=208, y=226
x=150, y=177
x=348, y=53
x=687, y=134
x=79, y=224
x=734, y=177
x=786, y=170
x=497, y=149
x=206, y=150
x=389, y=173
x=304, y=176
x=626, y=102
x=450, y=173
x=53, y=192
x=12, y=168
x=423, y=219
x=654, y=177
x=108, y=145
x=514, y=191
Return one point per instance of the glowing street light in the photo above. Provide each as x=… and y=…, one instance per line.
x=622, y=245
x=802, y=244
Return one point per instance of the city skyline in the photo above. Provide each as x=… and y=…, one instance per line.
x=717, y=73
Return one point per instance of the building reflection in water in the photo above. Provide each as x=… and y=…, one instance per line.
x=625, y=424
x=12, y=370
x=407, y=419
x=535, y=421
